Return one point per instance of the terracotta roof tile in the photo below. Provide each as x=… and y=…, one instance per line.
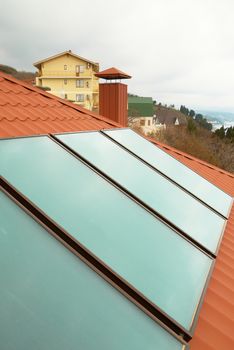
x=37, y=112
x=25, y=110
x=112, y=73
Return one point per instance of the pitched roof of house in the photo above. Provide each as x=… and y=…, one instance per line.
x=168, y=116
x=69, y=52
x=112, y=73
x=26, y=110
x=168, y=120
x=140, y=106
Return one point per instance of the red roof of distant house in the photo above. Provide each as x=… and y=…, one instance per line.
x=112, y=73
x=26, y=110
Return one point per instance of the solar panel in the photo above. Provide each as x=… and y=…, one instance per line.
x=170, y=201
x=162, y=265
x=171, y=167
x=49, y=299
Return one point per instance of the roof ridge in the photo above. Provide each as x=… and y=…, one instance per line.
x=189, y=156
x=69, y=52
x=64, y=102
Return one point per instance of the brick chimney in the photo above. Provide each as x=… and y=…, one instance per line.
x=113, y=95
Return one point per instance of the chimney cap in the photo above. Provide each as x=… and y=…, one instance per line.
x=112, y=73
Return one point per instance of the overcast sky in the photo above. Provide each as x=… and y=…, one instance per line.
x=177, y=51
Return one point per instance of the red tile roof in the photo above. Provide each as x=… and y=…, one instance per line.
x=25, y=110
x=112, y=73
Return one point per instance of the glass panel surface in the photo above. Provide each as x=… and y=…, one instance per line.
x=179, y=207
x=148, y=254
x=171, y=167
x=51, y=300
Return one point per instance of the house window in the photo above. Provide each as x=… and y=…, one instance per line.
x=88, y=65
x=80, y=97
x=65, y=81
x=80, y=69
x=80, y=83
x=65, y=67
x=142, y=122
x=65, y=96
x=87, y=84
x=148, y=122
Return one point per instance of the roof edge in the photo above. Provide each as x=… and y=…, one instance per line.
x=64, y=102
x=38, y=63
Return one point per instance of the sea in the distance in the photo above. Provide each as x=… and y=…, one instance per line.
x=219, y=119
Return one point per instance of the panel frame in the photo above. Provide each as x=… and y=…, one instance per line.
x=102, y=131
x=135, y=198
x=30, y=209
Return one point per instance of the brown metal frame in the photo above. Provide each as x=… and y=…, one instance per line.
x=132, y=196
x=199, y=305
x=151, y=166
x=154, y=312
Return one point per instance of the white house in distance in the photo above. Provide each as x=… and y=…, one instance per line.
x=141, y=113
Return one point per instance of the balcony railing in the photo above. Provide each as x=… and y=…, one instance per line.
x=66, y=73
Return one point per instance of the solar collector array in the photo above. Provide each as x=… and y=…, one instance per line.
x=121, y=233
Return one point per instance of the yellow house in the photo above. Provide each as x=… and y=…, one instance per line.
x=71, y=77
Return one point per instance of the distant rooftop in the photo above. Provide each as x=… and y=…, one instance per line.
x=112, y=73
x=69, y=52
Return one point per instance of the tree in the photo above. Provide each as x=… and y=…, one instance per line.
x=230, y=133
x=191, y=126
x=184, y=110
x=7, y=69
x=192, y=113
x=220, y=132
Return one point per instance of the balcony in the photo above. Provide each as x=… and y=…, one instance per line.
x=86, y=74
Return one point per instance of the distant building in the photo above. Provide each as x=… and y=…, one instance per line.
x=141, y=113
x=167, y=120
x=71, y=77
x=169, y=117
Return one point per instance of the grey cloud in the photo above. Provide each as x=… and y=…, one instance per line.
x=179, y=52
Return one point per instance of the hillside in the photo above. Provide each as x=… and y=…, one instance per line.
x=21, y=75
x=193, y=135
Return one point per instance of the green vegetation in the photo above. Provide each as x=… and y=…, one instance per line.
x=44, y=88
x=226, y=134
x=21, y=75
x=194, y=136
x=199, y=118
x=200, y=143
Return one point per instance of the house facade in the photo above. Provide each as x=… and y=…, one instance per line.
x=71, y=77
x=141, y=114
